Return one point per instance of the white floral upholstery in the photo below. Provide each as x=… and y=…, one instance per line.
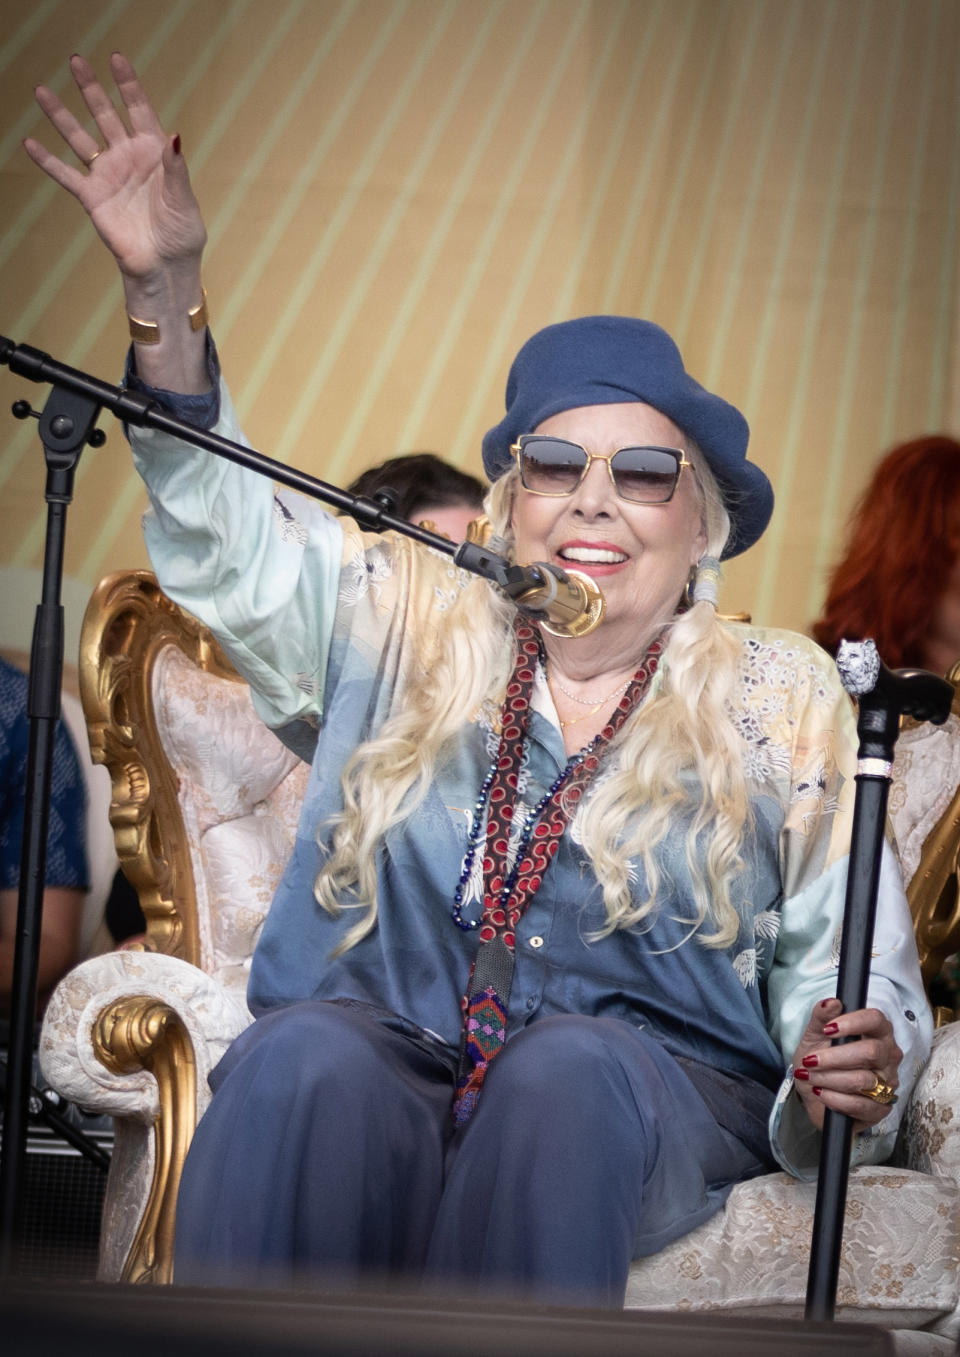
x=901, y=1242
x=926, y=774
x=897, y=1268
x=929, y=1140
x=240, y=795
x=239, y=790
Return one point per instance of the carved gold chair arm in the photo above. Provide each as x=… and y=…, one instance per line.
x=134, y=1035
x=140, y=1032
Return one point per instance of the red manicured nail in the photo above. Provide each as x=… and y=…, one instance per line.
x=801, y=1074
x=825, y=1002
x=830, y=1028
x=176, y=144
x=818, y=1091
x=811, y=1060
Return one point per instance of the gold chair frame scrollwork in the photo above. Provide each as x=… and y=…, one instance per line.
x=128, y=623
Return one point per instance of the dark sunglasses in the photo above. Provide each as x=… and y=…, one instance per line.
x=554, y=466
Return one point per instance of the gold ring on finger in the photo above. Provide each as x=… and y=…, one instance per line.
x=880, y=1091
x=98, y=151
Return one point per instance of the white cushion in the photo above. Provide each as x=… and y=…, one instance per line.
x=240, y=792
x=898, y=1267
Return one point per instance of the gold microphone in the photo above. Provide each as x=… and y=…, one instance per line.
x=565, y=603
x=571, y=601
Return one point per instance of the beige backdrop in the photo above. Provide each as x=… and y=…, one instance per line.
x=400, y=191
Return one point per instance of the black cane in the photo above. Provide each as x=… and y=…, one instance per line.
x=884, y=696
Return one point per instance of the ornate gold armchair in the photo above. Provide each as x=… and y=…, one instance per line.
x=205, y=802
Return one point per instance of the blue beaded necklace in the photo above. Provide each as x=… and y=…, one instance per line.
x=529, y=824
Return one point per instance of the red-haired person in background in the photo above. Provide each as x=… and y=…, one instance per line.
x=899, y=583
x=899, y=579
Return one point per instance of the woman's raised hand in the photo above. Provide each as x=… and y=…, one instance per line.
x=133, y=181
x=134, y=184
x=858, y=1078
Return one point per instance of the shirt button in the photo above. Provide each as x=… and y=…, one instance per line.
x=532, y=1002
x=536, y=942
x=909, y=1015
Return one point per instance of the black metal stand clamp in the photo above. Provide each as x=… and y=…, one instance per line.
x=884, y=696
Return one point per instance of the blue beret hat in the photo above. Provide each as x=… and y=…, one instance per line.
x=604, y=360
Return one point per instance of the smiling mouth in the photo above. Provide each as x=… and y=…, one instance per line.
x=592, y=555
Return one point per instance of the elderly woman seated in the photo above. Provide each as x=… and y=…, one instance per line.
x=552, y=963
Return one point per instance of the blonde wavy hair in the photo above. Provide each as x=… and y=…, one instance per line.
x=684, y=728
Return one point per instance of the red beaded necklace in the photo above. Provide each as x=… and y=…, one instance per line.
x=508, y=891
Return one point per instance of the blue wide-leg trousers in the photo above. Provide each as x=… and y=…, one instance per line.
x=328, y=1157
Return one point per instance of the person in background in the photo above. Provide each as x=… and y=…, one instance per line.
x=898, y=581
x=66, y=874
x=427, y=489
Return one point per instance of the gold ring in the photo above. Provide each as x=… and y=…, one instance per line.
x=89, y=162
x=880, y=1092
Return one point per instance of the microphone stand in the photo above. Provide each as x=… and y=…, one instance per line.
x=66, y=426
x=884, y=697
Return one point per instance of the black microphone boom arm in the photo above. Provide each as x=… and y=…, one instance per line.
x=545, y=592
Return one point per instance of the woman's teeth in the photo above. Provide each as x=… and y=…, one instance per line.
x=592, y=555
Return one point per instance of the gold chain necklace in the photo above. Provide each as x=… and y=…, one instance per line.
x=575, y=720
x=594, y=706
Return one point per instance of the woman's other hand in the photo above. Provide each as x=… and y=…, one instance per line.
x=133, y=183
x=840, y=1077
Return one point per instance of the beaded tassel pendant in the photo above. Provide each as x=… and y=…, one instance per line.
x=485, y=1023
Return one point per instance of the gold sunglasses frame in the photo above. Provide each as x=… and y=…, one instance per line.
x=517, y=451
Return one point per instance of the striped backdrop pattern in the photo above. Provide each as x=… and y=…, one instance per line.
x=398, y=192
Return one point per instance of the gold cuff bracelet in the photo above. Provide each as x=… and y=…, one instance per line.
x=148, y=331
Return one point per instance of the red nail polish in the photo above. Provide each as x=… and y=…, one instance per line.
x=810, y=1060
x=818, y=1091
x=830, y=1028
x=801, y=1074
x=176, y=144
x=825, y=1002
